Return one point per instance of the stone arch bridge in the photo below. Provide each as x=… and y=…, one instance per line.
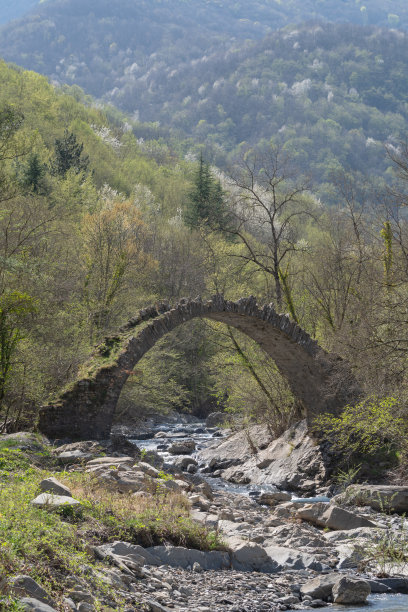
x=321, y=382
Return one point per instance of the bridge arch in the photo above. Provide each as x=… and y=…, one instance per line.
x=320, y=381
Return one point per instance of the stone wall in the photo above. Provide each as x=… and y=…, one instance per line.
x=319, y=380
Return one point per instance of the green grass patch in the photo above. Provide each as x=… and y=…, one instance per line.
x=52, y=546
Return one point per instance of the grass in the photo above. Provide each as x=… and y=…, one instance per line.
x=162, y=518
x=51, y=547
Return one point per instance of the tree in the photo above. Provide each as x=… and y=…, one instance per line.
x=14, y=307
x=205, y=203
x=267, y=209
x=68, y=155
x=33, y=173
x=11, y=121
x=116, y=257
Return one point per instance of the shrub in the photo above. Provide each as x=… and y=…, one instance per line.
x=371, y=428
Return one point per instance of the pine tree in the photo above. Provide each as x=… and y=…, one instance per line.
x=68, y=155
x=33, y=173
x=205, y=203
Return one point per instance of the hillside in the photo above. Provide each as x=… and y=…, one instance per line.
x=93, y=43
x=334, y=94
x=15, y=9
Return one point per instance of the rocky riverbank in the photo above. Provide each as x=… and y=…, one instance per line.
x=266, y=551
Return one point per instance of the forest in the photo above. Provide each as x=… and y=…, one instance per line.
x=96, y=224
x=332, y=94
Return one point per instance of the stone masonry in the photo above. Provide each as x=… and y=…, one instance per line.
x=321, y=382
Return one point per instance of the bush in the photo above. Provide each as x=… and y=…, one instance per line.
x=374, y=428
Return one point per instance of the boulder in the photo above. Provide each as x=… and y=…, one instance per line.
x=178, y=556
x=379, y=497
x=55, y=502
x=148, y=469
x=320, y=587
x=331, y=516
x=182, y=463
x=126, y=551
x=182, y=447
x=75, y=456
x=52, y=485
x=247, y=556
x=350, y=590
x=131, y=482
x=119, y=443
x=339, y=519
x=361, y=533
x=273, y=498
x=398, y=585
x=22, y=585
x=34, y=605
x=204, y=489
x=108, y=461
x=289, y=558
x=288, y=462
x=350, y=556
x=84, y=446
x=215, y=419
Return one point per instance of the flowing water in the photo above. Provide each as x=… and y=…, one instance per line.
x=203, y=437
x=377, y=603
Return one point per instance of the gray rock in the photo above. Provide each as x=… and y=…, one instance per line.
x=133, y=552
x=183, y=463
x=350, y=556
x=22, y=585
x=273, y=498
x=398, y=585
x=332, y=517
x=350, y=590
x=182, y=447
x=34, y=605
x=55, y=502
x=52, y=485
x=320, y=587
x=178, y=556
x=74, y=457
x=380, y=497
x=378, y=587
x=110, y=461
x=285, y=462
x=361, y=533
x=154, y=606
x=84, y=606
x=81, y=596
x=288, y=558
x=249, y=556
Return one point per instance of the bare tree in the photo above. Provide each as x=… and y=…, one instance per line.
x=268, y=204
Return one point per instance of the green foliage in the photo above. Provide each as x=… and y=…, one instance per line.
x=331, y=95
x=344, y=478
x=33, y=173
x=14, y=307
x=367, y=429
x=205, y=203
x=68, y=155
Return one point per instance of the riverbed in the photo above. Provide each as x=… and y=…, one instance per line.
x=203, y=437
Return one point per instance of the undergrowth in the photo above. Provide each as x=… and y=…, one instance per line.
x=51, y=547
